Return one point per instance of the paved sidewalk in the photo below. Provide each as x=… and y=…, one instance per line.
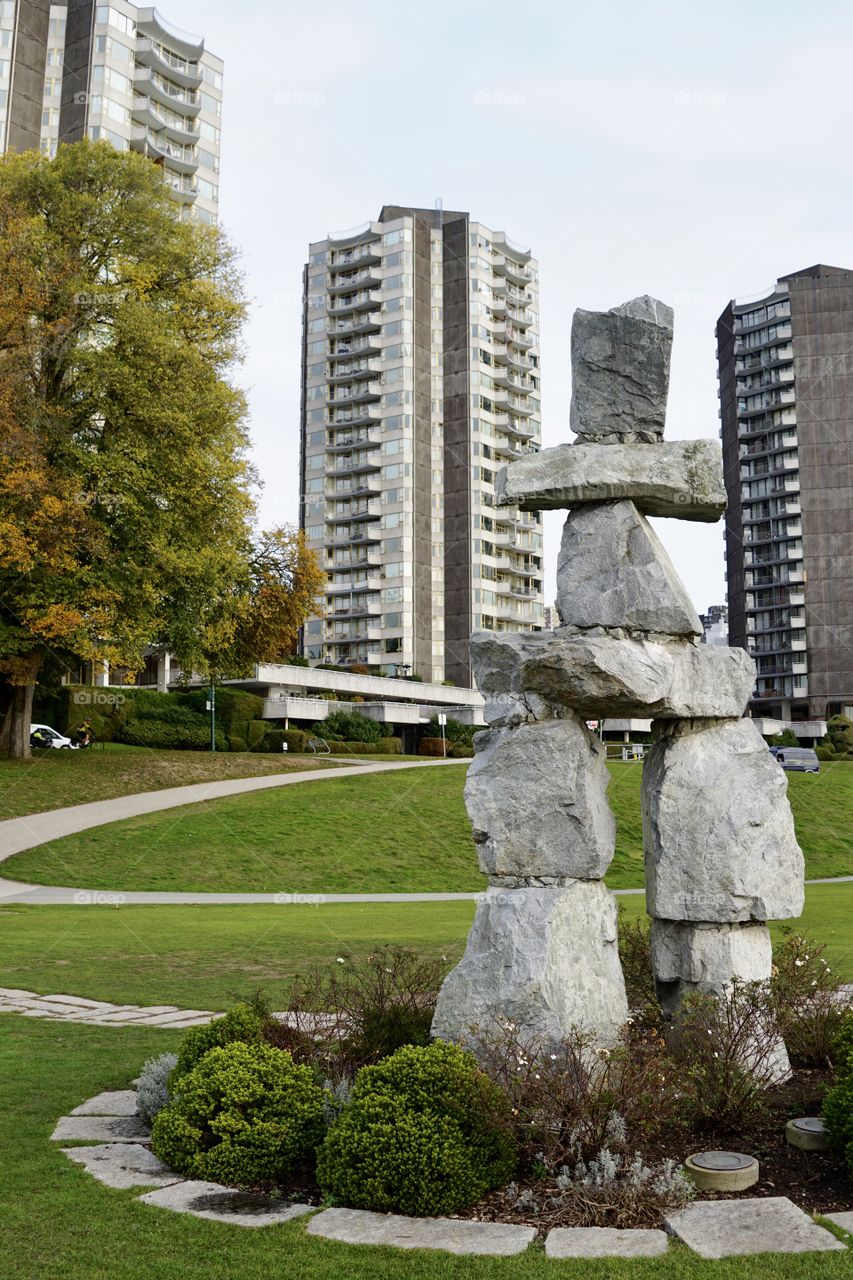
x=61, y=1008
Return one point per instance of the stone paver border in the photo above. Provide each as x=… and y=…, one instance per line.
x=120, y=1158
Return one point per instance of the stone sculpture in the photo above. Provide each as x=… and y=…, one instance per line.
x=721, y=855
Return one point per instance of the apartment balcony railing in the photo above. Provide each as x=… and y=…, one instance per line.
x=345, y=283
x=346, y=258
x=151, y=84
x=150, y=53
x=364, y=300
x=185, y=159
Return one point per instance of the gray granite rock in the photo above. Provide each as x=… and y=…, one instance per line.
x=688, y=957
x=452, y=1235
x=101, y=1129
x=543, y=959
x=604, y=1242
x=121, y=1102
x=718, y=832
x=735, y=1228
x=224, y=1204
x=843, y=1220
x=536, y=797
x=620, y=370
x=613, y=571
x=122, y=1165
x=682, y=478
x=530, y=675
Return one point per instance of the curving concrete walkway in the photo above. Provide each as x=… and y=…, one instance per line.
x=31, y=830
x=18, y=834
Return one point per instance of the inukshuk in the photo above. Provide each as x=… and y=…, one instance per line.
x=720, y=850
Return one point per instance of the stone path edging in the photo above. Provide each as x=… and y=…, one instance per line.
x=120, y=1158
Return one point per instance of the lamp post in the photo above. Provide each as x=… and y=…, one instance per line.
x=211, y=706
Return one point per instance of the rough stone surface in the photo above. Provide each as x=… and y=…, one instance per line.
x=543, y=959
x=119, y=1103
x=224, y=1204
x=536, y=797
x=122, y=1165
x=614, y=572
x=689, y=957
x=733, y=1228
x=101, y=1129
x=842, y=1220
x=530, y=675
x=620, y=370
x=717, y=827
x=682, y=478
x=452, y=1235
x=604, y=1242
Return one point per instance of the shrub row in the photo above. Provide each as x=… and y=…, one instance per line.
x=443, y=747
x=148, y=718
x=838, y=1103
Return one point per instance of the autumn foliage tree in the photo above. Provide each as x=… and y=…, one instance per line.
x=126, y=507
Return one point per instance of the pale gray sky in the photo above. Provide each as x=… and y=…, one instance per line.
x=691, y=152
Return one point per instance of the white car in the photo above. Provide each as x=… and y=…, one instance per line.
x=49, y=737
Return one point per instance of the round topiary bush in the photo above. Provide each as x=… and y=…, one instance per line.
x=424, y=1134
x=246, y=1115
x=240, y=1023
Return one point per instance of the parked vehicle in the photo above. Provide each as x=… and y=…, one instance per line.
x=796, y=759
x=41, y=735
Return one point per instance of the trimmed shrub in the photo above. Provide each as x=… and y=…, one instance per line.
x=275, y=740
x=241, y=1023
x=246, y=1115
x=838, y=1102
x=433, y=747
x=152, y=1092
x=382, y=746
x=342, y=726
x=164, y=737
x=455, y=731
x=424, y=1134
x=255, y=730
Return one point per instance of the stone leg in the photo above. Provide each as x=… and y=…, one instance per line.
x=717, y=827
x=536, y=797
x=689, y=957
x=544, y=959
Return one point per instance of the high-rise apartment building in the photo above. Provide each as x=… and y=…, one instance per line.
x=115, y=72
x=420, y=380
x=786, y=398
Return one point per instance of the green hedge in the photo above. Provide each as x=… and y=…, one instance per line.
x=274, y=740
x=148, y=718
x=342, y=726
x=382, y=747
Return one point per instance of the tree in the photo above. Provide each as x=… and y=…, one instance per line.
x=125, y=501
x=285, y=579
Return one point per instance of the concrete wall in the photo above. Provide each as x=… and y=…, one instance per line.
x=26, y=96
x=822, y=323
x=457, y=456
x=73, y=111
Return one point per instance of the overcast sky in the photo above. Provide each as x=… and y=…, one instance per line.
x=691, y=152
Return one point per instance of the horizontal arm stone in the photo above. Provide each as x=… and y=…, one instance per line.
x=682, y=478
x=600, y=675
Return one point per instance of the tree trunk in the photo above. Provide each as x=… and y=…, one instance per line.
x=15, y=731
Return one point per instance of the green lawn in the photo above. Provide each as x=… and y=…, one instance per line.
x=401, y=832
x=53, y=779
x=204, y=957
x=57, y=1222
x=398, y=832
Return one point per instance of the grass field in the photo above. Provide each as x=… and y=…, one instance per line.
x=204, y=957
x=53, y=779
x=58, y=1222
x=396, y=832
x=401, y=832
